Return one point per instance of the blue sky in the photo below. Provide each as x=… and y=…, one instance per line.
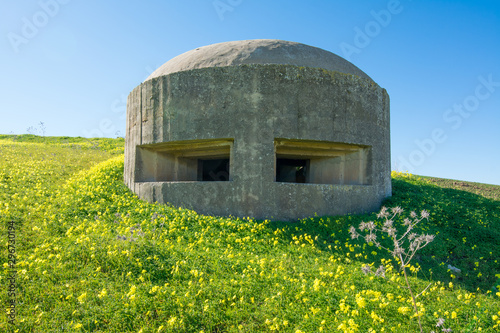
x=71, y=64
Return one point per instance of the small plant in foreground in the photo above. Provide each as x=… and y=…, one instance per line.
x=439, y=324
x=404, y=246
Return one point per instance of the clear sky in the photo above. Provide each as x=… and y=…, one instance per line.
x=71, y=63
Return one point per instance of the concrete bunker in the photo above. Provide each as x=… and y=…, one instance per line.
x=260, y=128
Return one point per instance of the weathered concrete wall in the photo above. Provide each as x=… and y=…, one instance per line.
x=254, y=105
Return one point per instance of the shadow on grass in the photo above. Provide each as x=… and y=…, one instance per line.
x=466, y=225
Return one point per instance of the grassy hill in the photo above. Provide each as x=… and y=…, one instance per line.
x=91, y=257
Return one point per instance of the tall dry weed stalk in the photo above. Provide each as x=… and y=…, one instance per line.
x=404, y=244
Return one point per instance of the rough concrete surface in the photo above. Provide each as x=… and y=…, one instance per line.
x=265, y=140
x=258, y=51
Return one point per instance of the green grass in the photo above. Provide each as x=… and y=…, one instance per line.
x=91, y=257
x=485, y=190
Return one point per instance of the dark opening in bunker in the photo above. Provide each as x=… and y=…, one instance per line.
x=189, y=160
x=213, y=169
x=322, y=162
x=291, y=170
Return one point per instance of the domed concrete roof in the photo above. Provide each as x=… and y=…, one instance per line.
x=258, y=51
